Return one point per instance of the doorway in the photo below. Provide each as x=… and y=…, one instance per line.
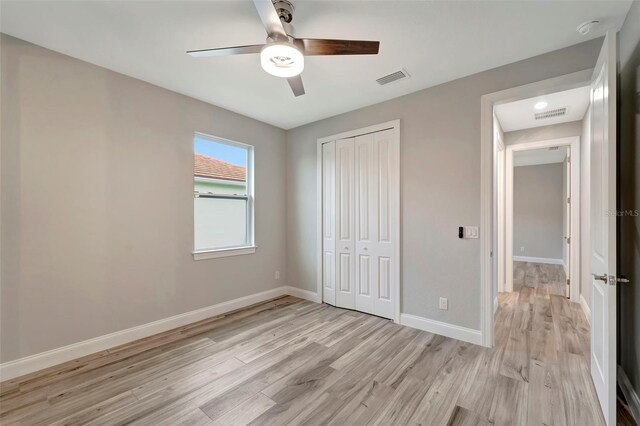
x=598, y=249
x=359, y=197
x=542, y=214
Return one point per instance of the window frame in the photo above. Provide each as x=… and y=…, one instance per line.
x=250, y=246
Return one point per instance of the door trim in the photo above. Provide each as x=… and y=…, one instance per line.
x=574, y=265
x=488, y=101
x=395, y=125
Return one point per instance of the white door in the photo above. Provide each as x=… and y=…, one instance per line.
x=329, y=223
x=366, y=221
x=603, y=228
x=344, y=214
x=567, y=212
x=375, y=169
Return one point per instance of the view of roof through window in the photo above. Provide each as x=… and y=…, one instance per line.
x=219, y=161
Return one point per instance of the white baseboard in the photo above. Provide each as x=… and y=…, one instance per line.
x=585, y=308
x=304, y=294
x=32, y=363
x=442, y=328
x=538, y=260
x=629, y=394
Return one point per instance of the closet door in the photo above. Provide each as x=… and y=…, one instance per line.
x=344, y=213
x=387, y=181
x=375, y=170
x=329, y=223
x=366, y=196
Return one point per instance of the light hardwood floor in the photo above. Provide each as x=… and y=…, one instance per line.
x=295, y=362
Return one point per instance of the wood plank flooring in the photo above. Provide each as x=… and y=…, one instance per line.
x=290, y=361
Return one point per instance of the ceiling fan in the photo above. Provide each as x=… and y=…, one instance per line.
x=283, y=54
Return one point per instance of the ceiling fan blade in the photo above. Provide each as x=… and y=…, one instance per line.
x=226, y=51
x=318, y=46
x=270, y=19
x=296, y=85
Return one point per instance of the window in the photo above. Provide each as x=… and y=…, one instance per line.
x=223, y=197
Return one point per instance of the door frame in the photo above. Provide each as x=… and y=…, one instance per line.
x=498, y=217
x=488, y=101
x=574, y=261
x=395, y=202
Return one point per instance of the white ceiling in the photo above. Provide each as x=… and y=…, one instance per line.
x=435, y=41
x=539, y=156
x=521, y=114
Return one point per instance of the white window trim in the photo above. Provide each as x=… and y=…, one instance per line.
x=251, y=246
x=227, y=252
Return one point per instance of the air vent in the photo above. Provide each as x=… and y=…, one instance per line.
x=558, y=112
x=553, y=148
x=394, y=76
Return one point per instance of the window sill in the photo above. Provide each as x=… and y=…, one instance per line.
x=213, y=254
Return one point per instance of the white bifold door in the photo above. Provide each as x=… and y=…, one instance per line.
x=360, y=194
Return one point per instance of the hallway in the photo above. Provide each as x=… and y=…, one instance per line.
x=542, y=345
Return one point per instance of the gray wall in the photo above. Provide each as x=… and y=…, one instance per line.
x=629, y=178
x=554, y=131
x=97, y=203
x=440, y=180
x=537, y=211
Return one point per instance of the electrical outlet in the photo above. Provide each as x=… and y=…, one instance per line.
x=444, y=303
x=277, y=275
x=522, y=249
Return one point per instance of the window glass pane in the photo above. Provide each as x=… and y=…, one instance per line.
x=220, y=223
x=220, y=174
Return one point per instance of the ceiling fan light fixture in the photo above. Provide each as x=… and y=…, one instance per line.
x=282, y=59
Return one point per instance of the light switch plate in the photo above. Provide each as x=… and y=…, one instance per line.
x=471, y=232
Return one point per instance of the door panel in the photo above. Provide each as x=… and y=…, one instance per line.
x=366, y=218
x=384, y=169
x=363, y=183
x=345, y=295
x=328, y=222
x=374, y=167
x=388, y=174
x=384, y=273
x=345, y=273
x=364, y=277
x=603, y=228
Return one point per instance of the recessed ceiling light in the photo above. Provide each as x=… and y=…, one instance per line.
x=540, y=105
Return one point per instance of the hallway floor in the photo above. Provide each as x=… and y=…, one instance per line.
x=542, y=340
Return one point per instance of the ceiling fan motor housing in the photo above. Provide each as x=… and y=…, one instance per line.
x=285, y=10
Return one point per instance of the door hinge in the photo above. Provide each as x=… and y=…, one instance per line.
x=568, y=200
x=568, y=281
x=568, y=240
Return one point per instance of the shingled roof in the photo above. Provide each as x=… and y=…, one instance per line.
x=209, y=167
